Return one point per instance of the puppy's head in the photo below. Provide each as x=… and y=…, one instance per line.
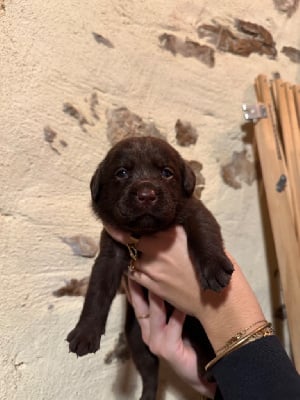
x=141, y=185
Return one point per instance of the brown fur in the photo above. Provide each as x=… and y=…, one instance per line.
x=144, y=186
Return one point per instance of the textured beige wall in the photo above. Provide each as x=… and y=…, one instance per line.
x=49, y=57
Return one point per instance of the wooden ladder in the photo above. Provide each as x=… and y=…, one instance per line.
x=277, y=138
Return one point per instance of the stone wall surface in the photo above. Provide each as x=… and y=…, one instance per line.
x=66, y=68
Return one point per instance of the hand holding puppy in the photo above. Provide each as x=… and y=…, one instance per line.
x=164, y=338
x=166, y=269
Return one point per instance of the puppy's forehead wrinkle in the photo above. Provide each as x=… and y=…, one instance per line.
x=144, y=146
x=145, y=158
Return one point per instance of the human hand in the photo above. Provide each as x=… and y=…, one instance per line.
x=164, y=338
x=166, y=269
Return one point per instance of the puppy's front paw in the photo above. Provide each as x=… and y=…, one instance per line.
x=84, y=339
x=216, y=273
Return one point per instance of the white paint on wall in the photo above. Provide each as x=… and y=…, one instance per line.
x=48, y=56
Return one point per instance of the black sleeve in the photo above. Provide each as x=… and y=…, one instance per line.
x=261, y=370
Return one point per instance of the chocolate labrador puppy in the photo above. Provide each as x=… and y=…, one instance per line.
x=143, y=186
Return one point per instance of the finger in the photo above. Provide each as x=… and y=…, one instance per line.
x=157, y=313
x=157, y=324
x=117, y=234
x=141, y=276
x=151, y=244
x=141, y=308
x=125, y=287
x=138, y=300
x=175, y=326
x=120, y=236
x=148, y=282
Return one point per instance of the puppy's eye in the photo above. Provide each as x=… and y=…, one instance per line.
x=121, y=173
x=167, y=173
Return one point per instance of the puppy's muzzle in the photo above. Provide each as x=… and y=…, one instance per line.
x=145, y=194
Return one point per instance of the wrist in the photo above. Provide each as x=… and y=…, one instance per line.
x=226, y=313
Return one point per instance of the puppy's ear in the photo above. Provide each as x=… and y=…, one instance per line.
x=96, y=183
x=188, y=179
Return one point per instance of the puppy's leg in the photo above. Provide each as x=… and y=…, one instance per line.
x=194, y=331
x=205, y=243
x=146, y=363
x=103, y=285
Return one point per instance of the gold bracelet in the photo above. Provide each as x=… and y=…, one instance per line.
x=267, y=331
x=238, y=336
x=260, y=332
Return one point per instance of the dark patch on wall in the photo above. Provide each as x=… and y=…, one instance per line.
x=82, y=245
x=81, y=116
x=74, y=112
x=94, y=102
x=78, y=287
x=122, y=123
x=276, y=75
x=238, y=170
x=120, y=352
x=287, y=6
x=243, y=39
x=2, y=7
x=102, y=40
x=63, y=143
x=292, y=53
x=74, y=287
x=50, y=136
x=200, y=180
x=188, y=48
x=186, y=134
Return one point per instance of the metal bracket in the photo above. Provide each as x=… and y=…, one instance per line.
x=254, y=111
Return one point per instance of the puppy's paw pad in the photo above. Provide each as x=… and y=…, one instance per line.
x=83, y=340
x=217, y=274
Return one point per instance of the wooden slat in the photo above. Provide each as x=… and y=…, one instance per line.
x=287, y=248
x=297, y=101
x=267, y=94
x=270, y=97
x=289, y=127
x=295, y=126
x=295, y=130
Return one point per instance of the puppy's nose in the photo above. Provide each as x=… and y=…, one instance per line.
x=146, y=195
